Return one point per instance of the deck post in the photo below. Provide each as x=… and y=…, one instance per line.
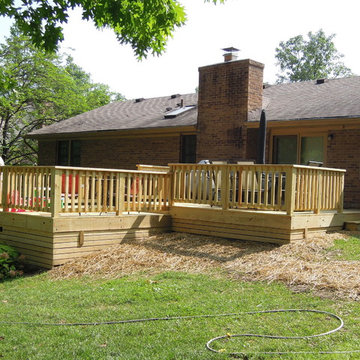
x=319, y=193
x=340, y=208
x=225, y=187
x=290, y=187
x=170, y=188
x=55, y=202
x=4, y=193
x=121, y=194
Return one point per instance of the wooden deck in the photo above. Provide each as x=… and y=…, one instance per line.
x=48, y=241
x=265, y=226
x=55, y=214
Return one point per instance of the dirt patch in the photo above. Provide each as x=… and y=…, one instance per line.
x=304, y=264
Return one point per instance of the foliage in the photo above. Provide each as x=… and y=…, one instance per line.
x=145, y=25
x=37, y=89
x=309, y=59
x=37, y=299
x=10, y=262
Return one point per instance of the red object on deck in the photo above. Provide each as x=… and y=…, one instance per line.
x=14, y=199
x=63, y=185
x=134, y=189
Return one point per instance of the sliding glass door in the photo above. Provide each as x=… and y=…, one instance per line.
x=298, y=149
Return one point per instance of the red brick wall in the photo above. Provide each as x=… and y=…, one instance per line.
x=227, y=91
x=47, y=153
x=125, y=153
x=343, y=151
x=120, y=153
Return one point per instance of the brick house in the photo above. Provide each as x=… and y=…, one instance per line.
x=313, y=120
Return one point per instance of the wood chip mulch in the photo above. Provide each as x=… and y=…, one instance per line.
x=303, y=264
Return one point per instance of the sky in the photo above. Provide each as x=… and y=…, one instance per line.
x=255, y=27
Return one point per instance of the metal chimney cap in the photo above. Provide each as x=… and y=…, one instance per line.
x=230, y=49
x=230, y=54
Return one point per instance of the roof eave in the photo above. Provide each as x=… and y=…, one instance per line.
x=111, y=133
x=306, y=121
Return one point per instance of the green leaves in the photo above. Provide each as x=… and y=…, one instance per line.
x=146, y=25
x=37, y=89
x=9, y=262
x=309, y=59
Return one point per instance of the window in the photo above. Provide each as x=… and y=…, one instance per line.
x=298, y=149
x=285, y=149
x=312, y=149
x=188, y=149
x=68, y=152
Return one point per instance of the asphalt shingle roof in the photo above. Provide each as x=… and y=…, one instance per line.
x=335, y=98
x=127, y=115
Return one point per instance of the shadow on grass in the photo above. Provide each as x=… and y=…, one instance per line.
x=354, y=234
x=28, y=270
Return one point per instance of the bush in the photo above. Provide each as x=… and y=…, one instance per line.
x=10, y=262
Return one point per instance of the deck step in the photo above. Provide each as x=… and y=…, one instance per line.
x=352, y=225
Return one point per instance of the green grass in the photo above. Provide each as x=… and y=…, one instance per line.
x=39, y=299
x=346, y=249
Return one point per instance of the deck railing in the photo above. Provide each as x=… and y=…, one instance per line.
x=26, y=188
x=262, y=187
x=86, y=190
x=83, y=190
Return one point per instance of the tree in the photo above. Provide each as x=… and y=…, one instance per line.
x=144, y=24
x=309, y=59
x=37, y=89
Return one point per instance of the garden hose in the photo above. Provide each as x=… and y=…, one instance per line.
x=209, y=343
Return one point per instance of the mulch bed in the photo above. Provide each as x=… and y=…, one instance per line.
x=304, y=264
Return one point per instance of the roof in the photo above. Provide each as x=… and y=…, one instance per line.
x=127, y=115
x=334, y=98
x=307, y=100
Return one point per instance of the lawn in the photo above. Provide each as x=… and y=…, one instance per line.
x=347, y=249
x=179, y=275
x=39, y=299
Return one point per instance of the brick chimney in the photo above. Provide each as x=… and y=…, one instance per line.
x=227, y=92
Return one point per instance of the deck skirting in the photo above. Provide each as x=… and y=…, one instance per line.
x=49, y=241
x=264, y=226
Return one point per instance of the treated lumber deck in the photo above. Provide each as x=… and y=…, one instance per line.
x=47, y=241
x=55, y=214
x=265, y=226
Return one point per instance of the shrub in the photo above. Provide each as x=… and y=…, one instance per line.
x=10, y=262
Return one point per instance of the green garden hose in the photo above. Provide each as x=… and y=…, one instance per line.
x=211, y=341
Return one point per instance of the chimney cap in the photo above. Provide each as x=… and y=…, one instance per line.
x=230, y=54
x=230, y=49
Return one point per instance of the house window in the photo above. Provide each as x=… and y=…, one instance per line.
x=312, y=149
x=68, y=152
x=188, y=149
x=285, y=149
x=298, y=149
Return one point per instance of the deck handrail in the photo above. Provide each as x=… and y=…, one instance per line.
x=261, y=187
x=64, y=189
x=156, y=168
